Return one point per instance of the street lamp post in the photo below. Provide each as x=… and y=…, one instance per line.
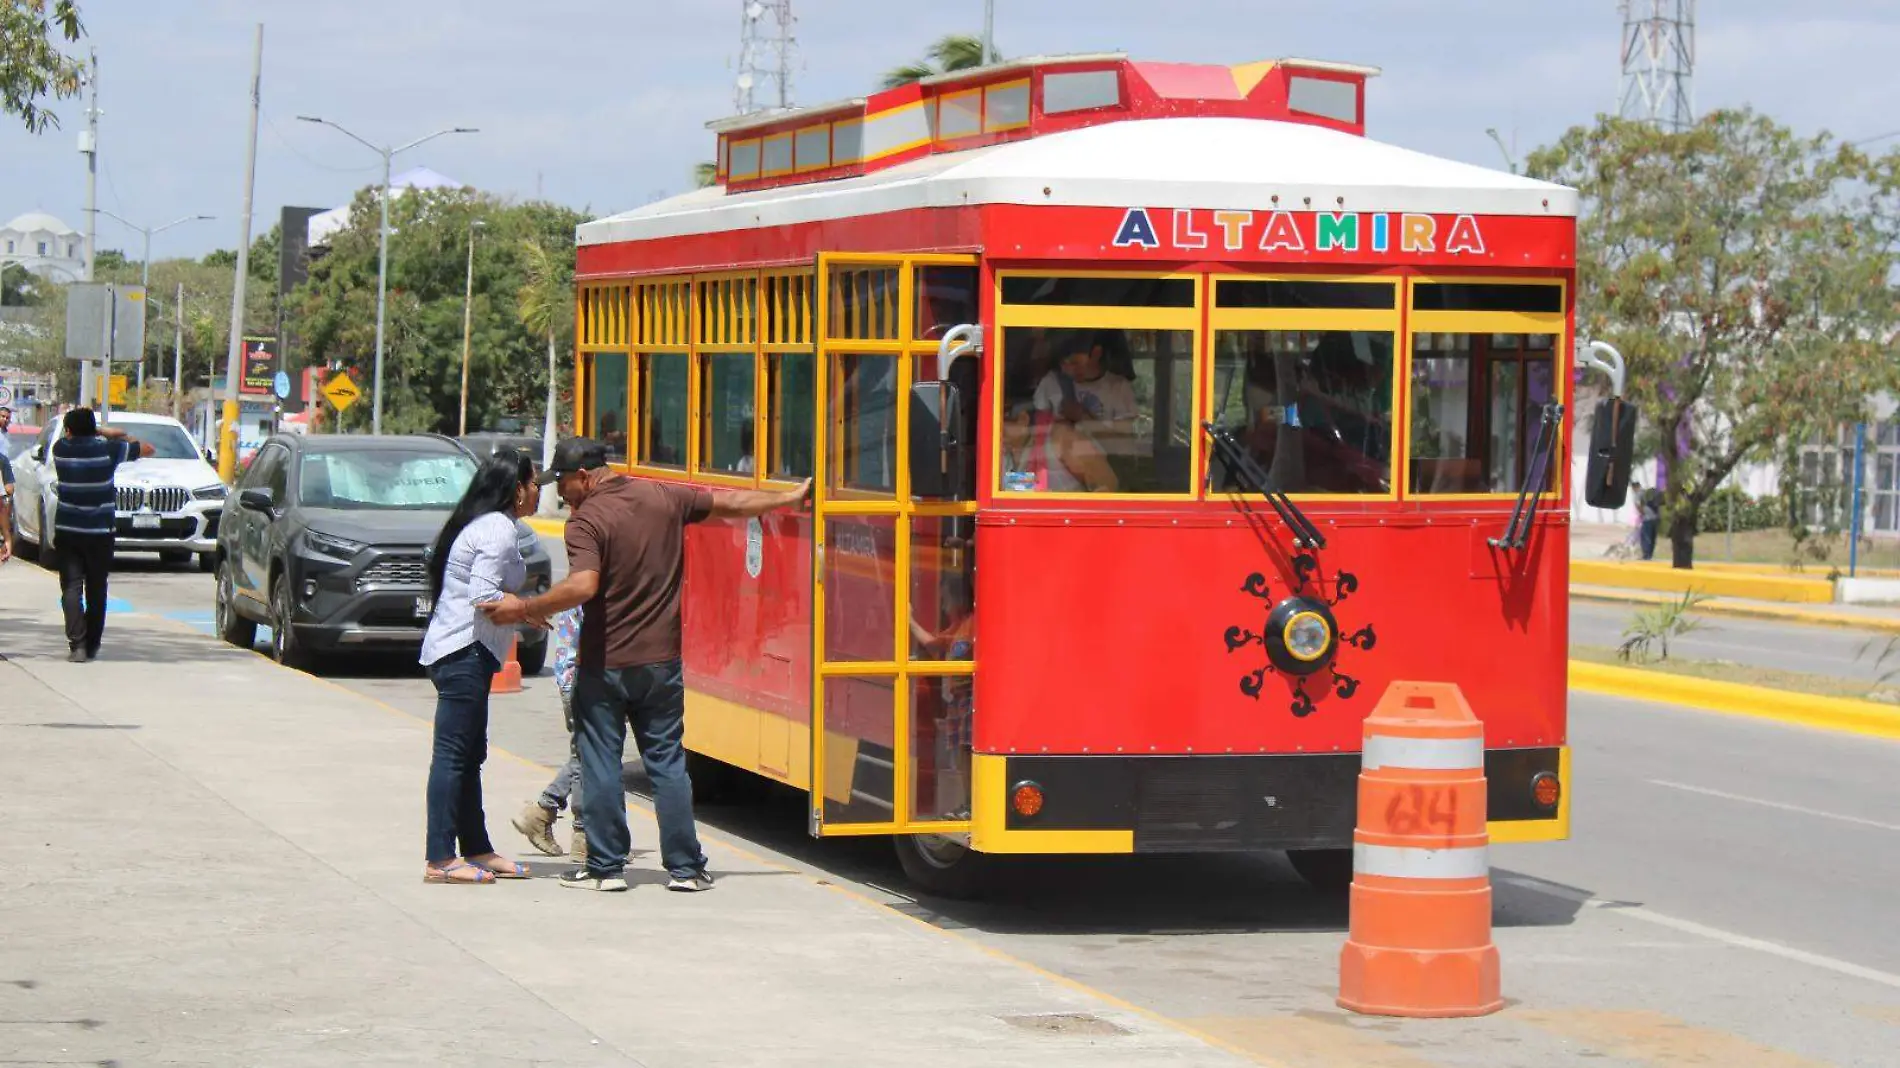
x=1509, y=160
x=382, y=244
x=145, y=265
x=468, y=305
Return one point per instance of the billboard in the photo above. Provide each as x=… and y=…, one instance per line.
x=260, y=365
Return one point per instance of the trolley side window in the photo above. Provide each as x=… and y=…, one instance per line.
x=663, y=370
x=1303, y=376
x=726, y=324
x=607, y=403
x=1098, y=384
x=1477, y=395
x=788, y=330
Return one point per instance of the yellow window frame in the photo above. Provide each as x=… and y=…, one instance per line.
x=1314, y=320
x=1556, y=324
x=1111, y=317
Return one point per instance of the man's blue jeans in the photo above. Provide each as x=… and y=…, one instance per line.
x=461, y=682
x=652, y=697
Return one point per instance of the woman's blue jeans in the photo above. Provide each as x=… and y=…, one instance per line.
x=461, y=682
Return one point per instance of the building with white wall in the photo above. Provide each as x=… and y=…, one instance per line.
x=44, y=245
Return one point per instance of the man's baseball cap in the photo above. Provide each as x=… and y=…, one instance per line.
x=574, y=454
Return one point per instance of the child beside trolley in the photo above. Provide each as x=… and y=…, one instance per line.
x=536, y=819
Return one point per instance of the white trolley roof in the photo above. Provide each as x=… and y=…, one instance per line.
x=1220, y=163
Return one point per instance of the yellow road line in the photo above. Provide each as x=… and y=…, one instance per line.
x=552, y=526
x=1783, y=706
x=1654, y=1038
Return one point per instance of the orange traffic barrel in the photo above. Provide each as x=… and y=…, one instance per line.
x=508, y=679
x=1419, y=939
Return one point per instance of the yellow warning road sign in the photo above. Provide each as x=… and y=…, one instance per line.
x=341, y=391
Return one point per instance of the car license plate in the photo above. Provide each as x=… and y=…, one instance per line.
x=144, y=522
x=424, y=606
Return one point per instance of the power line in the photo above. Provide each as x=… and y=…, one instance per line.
x=295, y=151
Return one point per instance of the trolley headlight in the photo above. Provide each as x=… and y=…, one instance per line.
x=1301, y=635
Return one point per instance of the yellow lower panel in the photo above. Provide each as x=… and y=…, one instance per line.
x=749, y=739
x=989, y=798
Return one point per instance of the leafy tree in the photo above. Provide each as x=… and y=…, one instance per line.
x=335, y=311
x=956, y=51
x=31, y=65
x=705, y=173
x=1744, y=272
x=107, y=260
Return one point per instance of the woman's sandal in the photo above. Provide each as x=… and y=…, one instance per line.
x=457, y=873
x=498, y=867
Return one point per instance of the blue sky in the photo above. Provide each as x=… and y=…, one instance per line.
x=601, y=104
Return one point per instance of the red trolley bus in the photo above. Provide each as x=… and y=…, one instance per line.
x=1159, y=420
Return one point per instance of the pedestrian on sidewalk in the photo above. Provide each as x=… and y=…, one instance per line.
x=626, y=560
x=85, y=463
x=474, y=560
x=536, y=819
x=1649, y=504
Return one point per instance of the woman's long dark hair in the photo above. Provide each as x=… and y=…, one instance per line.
x=491, y=490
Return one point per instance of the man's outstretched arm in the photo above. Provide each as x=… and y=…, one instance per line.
x=744, y=504
x=577, y=588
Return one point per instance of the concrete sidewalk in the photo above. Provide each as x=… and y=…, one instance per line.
x=213, y=860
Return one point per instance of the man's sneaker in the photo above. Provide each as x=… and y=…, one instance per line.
x=582, y=879
x=535, y=823
x=690, y=884
x=77, y=656
x=578, y=851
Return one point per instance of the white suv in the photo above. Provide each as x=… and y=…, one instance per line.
x=169, y=502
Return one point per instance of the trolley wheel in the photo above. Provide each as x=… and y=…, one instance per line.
x=1326, y=870
x=944, y=865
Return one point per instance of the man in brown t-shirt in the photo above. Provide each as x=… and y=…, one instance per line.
x=625, y=562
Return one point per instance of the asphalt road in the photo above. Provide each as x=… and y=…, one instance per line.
x=1832, y=651
x=1726, y=898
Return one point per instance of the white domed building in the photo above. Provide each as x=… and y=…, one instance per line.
x=44, y=245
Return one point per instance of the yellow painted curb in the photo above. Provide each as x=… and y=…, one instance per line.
x=1722, y=606
x=1810, y=571
x=1715, y=583
x=552, y=526
x=1735, y=699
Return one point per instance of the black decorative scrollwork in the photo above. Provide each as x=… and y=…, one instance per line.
x=1307, y=582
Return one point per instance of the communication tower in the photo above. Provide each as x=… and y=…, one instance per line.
x=766, y=46
x=1658, y=63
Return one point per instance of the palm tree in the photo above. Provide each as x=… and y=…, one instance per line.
x=546, y=305
x=956, y=51
x=705, y=174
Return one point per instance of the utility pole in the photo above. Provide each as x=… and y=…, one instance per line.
x=89, y=146
x=989, y=32
x=468, y=306
x=234, y=372
x=178, y=350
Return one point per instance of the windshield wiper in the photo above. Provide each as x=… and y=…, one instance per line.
x=1248, y=473
x=1518, y=532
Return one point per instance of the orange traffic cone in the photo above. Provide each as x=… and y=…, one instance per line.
x=508, y=679
x=1419, y=942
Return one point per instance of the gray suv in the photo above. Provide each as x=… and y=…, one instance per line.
x=324, y=542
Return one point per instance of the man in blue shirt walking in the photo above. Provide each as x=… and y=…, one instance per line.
x=84, y=462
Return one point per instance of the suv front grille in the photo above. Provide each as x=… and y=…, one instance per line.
x=157, y=498
x=395, y=571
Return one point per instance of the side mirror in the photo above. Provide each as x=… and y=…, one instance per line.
x=258, y=500
x=940, y=468
x=1612, y=450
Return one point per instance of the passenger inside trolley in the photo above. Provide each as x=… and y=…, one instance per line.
x=1046, y=454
